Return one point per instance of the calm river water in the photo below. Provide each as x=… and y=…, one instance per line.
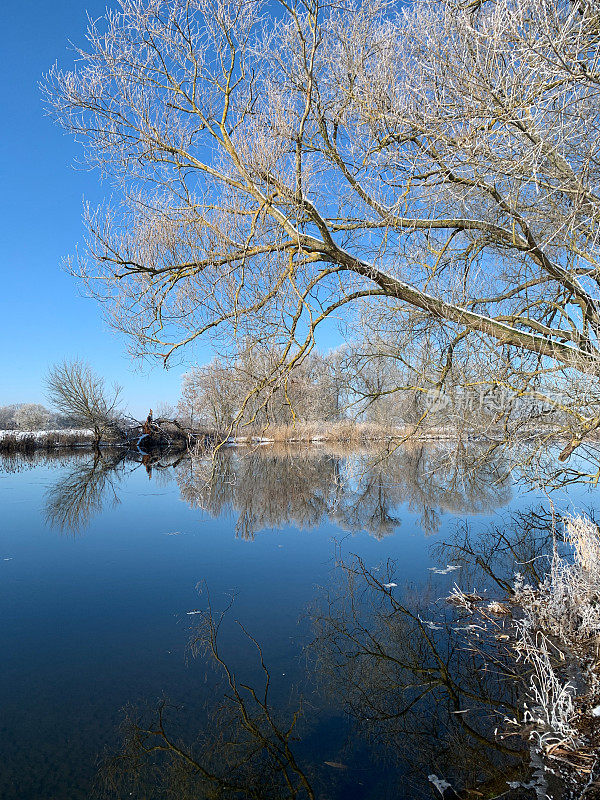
x=325, y=566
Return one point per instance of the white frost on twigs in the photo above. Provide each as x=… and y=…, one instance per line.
x=498, y=608
x=463, y=599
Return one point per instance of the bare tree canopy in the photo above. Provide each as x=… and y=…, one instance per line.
x=74, y=389
x=432, y=166
x=31, y=416
x=224, y=391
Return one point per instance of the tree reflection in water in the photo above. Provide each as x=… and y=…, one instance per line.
x=413, y=692
x=417, y=688
x=266, y=488
x=83, y=491
x=245, y=750
x=94, y=481
x=419, y=694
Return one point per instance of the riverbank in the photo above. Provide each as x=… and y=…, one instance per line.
x=174, y=436
x=15, y=441
x=344, y=432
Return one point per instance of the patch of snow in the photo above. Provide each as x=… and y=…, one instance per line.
x=440, y=784
x=18, y=434
x=431, y=625
x=449, y=568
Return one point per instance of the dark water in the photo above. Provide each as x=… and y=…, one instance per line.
x=103, y=561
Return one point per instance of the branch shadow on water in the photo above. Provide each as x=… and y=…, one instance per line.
x=395, y=693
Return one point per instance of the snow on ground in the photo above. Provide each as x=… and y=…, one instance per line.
x=82, y=433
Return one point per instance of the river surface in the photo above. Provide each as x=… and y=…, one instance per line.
x=318, y=570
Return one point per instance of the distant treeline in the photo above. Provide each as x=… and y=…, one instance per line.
x=361, y=382
x=255, y=390
x=33, y=417
x=359, y=391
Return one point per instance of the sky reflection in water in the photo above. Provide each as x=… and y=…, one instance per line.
x=102, y=562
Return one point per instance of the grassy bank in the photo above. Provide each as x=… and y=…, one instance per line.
x=344, y=431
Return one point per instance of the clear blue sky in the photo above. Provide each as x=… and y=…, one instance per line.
x=43, y=316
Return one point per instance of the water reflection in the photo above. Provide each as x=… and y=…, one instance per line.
x=399, y=689
x=245, y=750
x=389, y=688
x=517, y=544
x=420, y=692
x=83, y=492
x=266, y=488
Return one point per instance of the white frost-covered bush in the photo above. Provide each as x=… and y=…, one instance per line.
x=551, y=707
x=567, y=603
x=562, y=612
x=31, y=417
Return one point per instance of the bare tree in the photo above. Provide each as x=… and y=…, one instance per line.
x=74, y=389
x=245, y=389
x=31, y=416
x=7, y=416
x=432, y=164
x=165, y=410
x=210, y=396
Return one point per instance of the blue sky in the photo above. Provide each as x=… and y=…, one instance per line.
x=44, y=317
